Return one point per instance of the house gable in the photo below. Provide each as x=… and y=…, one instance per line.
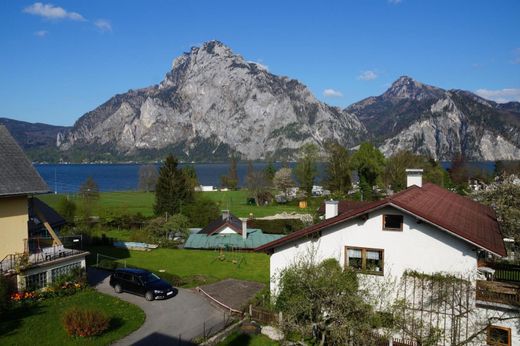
x=418, y=246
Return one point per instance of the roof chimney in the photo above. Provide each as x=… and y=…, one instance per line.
x=331, y=209
x=244, y=229
x=225, y=214
x=414, y=177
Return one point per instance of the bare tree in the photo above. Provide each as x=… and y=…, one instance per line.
x=283, y=180
x=148, y=176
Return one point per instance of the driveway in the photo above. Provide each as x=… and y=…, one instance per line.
x=174, y=321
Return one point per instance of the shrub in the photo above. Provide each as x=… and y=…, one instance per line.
x=174, y=280
x=4, y=295
x=85, y=322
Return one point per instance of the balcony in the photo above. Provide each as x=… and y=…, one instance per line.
x=498, y=292
x=40, y=251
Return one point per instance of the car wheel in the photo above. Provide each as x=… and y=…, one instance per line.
x=149, y=296
x=118, y=289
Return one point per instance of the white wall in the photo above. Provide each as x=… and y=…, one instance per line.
x=419, y=247
x=227, y=230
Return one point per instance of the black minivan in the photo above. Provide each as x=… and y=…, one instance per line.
x=141, y=282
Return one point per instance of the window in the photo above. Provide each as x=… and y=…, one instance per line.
x=392, y=222
x=499, y=336
x=62, y=271
x=366, y=260
x=36, y=281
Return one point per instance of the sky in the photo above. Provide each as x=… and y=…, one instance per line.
x=61, y=59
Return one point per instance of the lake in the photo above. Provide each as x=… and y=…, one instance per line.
x=63, y=178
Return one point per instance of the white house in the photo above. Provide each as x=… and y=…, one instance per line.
x=424, y=228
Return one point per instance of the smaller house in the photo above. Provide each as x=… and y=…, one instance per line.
x=229, y=232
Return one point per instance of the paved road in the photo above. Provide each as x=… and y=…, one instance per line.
x=174, y=321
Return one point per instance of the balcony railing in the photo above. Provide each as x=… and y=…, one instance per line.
x=39, y=251
x=498, y=292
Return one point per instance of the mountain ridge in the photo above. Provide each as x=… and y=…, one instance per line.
x=213, y=103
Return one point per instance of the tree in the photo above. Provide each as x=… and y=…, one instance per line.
x=321, y=301
x=89, y=194
x=337, y=169
x=148, y=176
x=67, y=209
x=269, y=172
x=258, y=187
x=191, y=176
x=369, y=163
x=395, y=170
x=231, y=179
x=283, y=180
x=306, y=170
x=162, y=230
x=172, y=190
x=504, y=197
x=201, y=211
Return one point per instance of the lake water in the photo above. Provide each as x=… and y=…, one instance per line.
x=64, y=178
x=124, y=177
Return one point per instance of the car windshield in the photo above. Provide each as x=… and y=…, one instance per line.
x=150, y=278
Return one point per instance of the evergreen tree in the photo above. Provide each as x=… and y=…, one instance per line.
x=269, y=172
x=306, y=170
x=173, y=189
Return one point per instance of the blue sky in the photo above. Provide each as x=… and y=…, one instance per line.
x=61, y=59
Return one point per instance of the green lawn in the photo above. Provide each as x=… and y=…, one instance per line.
x=41, y=324
x=238, y=339
x=193, y=266
x=132, y=202
x=113, y=203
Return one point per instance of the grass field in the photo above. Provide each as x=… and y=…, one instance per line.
x=237, y=339
x=132, y=202
x=41, y=324
x=193, y=266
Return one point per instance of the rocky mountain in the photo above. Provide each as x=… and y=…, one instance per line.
x=33, y=135
x=212, y=102
x=440, y=123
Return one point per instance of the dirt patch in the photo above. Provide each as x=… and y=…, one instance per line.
x=233, y=293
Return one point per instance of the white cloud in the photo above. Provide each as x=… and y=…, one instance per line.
x=368, y=75
x=49, y=11
x=394, y=2
x=332, y=93
x=41, y=33
x=103, y=25
x=500, y=95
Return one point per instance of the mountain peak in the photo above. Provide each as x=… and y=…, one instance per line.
x=406, y=87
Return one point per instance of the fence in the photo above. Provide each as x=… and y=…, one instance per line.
x=264, y=316
x=506, y=272
x=109, y=262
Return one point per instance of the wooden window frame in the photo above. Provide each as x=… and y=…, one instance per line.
x=400, y=229
x=494, y=343
x=364, y=260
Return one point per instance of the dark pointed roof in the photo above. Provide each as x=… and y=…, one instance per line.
x=17, y=174
x=226, y=220
x=448, y=211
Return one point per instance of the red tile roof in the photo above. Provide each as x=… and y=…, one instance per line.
x=446, y=210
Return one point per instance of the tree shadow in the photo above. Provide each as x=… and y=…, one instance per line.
x=155, y=339
x=240, y=340
x=12, y=319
